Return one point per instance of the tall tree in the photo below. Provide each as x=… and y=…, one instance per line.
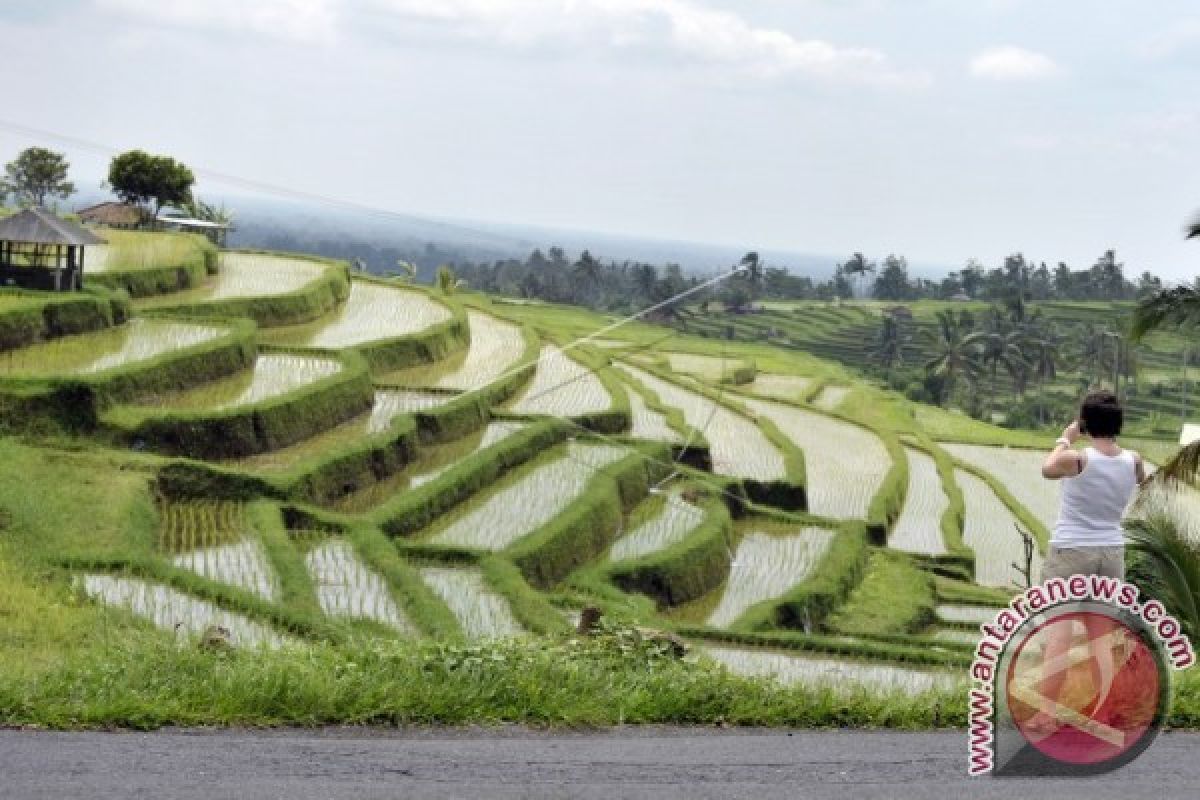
x=893, y=283
x=889, y=350
x=859, y=265
x=150, y=181
x=955, y=347
x=35, y=175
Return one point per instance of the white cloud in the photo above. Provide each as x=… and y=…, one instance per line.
x=301, y=20
x=680, y=27
x=1012, y=64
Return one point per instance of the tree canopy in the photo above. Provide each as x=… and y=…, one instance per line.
x=35, y=175
x=150, y=181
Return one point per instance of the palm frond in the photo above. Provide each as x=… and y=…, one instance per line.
x=1183, y=468
x=1178, y=306
x=1193, y=230
x=1174, y=562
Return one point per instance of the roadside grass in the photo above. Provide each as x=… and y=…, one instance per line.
x=144, y=681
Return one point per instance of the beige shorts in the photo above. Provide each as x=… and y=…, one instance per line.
x=1062, y=562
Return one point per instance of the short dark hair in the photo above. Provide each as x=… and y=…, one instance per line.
x=1101, y=414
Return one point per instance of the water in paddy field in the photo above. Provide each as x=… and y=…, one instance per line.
x=972, y=615
x=242, y=564
x=245, y=275
x=919, y=527
x=848, y=463
x=990, y=530
x=89, y=353
x=372, y=312
x=781, y=387
x=647, y=423
x=481, y=612
x=172, y=610
x=739, y=447
x=273, y=375
x=671, y=523
x=840, y=675
x=561, y=387
x=526, y=503
x=766, y=566
x=348, y=588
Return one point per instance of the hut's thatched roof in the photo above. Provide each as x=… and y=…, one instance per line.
x=111, y=213
x=39, y=226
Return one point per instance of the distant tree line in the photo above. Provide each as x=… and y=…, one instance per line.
x=586, y=281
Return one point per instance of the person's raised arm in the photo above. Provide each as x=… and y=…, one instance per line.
x=1063, y=462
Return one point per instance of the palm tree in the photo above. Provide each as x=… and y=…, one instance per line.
x=889, y=350
x=956, y=348
x=1046, y=345
x=860, y=266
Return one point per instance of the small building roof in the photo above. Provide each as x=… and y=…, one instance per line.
x=191, y=222
x=39, y=226
x=111, y=213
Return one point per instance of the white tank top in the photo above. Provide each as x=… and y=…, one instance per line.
x=1094, y=502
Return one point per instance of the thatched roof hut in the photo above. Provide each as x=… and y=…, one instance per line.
x=39, y=250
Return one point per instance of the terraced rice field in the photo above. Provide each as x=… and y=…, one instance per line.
x=710, y=369
x=846, y=463
x=519, y=505
x=431, y=462
x=481, y=612
x=738, y=447
x=89, y=353
x=562, y=387
x=373, y=312
x=243, y=564
x=831, y=397
x=648, y=423
x=495, y=349
x=990, y=530
x=172, y=610
x=663, y=521
x=918, y=529
x=214, y=540
x=389, y=404
x=274, y=374
x=766, y=566
x=781, y=387
x=1019, y=471
x=246, y=275
x=839, y=675
x=348, y=588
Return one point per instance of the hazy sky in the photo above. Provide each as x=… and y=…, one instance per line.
x=941, y=129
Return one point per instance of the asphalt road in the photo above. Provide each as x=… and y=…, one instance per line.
x=518, y=763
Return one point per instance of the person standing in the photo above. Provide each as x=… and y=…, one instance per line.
x=1098, y=483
